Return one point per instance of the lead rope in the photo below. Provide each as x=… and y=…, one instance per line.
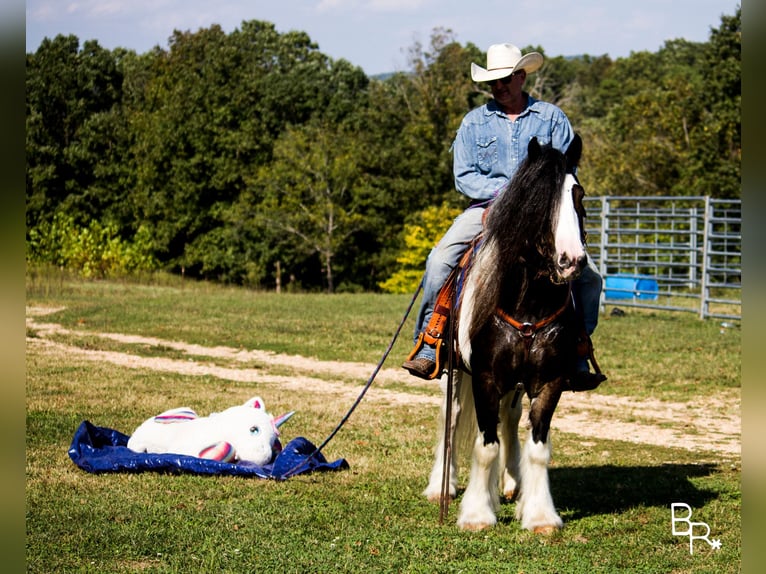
x=444, y=495
x=364, y=390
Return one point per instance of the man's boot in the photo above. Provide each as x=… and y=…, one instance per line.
x=422, y=367
x=583, y=379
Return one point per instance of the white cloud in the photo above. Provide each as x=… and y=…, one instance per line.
x=398, y=5
x=97, y=9
x=374, y=33
x=372, y=5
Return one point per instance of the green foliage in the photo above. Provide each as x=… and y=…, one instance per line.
x=69, y=91
x=672, y=121
x=313, y=191
x=251, y=153
x=96, y=250
x=419, y=238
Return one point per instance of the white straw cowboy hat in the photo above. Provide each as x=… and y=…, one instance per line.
x=503, y=60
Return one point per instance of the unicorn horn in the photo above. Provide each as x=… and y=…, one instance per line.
x=280, y=420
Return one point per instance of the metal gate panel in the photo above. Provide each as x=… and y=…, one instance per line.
x=671, y=253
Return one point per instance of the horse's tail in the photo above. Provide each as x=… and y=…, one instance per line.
x=467, y=427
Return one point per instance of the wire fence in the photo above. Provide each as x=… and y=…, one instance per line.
x=671, y=253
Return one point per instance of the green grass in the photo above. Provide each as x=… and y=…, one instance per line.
x=614, y=496
x=665, y=355
x=344, y=326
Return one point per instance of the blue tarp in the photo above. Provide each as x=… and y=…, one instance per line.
x=99, y=449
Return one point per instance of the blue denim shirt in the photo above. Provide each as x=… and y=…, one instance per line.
x=488, y=147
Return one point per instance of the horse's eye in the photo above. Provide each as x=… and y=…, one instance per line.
x=255, y=430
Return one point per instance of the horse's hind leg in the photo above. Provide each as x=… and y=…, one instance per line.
x=534, y=507
x=434, y=488
x=510, y=449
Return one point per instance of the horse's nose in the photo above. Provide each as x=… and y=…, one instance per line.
x=569, y=266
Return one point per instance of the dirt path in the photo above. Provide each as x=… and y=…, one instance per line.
x=712, y=424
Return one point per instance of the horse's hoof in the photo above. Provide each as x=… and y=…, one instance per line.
x=545, y=530
x=475, y=526
x=436, y=498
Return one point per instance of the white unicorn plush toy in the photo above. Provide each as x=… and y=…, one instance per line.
x=244, y=433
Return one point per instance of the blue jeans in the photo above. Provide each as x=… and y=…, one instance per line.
x=446, y=255
x=441, y=261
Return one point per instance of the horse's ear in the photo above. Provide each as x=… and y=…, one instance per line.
x=573, y=153
x=533, y=149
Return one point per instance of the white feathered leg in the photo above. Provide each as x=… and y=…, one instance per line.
x=481, y=500
x=510, y=448
x=434, y=488
x=534, y=507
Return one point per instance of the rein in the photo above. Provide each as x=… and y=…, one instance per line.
x=367, y=386
x=444, y=496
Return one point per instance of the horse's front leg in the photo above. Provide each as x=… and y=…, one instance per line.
x=434, y=488
x=534, y=507
x=481, y=500
x=510, y=449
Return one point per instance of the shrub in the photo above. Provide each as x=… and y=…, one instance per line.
x=419, y=238
x=95, y=251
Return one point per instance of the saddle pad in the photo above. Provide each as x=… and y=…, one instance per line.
x=100, y=450
x=466, y=263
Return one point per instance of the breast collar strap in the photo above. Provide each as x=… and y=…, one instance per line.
x=529, y=330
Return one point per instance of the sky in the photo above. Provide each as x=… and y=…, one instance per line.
x=375, y=34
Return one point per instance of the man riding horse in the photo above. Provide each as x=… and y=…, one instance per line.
x=489, y=146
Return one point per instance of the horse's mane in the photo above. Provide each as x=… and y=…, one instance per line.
x=518, y=234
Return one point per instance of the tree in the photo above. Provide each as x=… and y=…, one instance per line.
x=66, y=88
x=226, y=154
x=716, y=161
x=212, y=108
x=436, y=96
x=193, y=141
x=418, y=238
x=314, y=192
x=670, y=123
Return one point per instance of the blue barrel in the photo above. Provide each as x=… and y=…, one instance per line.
x=646, y=288
x=631, y=287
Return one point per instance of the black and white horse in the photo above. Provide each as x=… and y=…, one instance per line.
x=517, y=331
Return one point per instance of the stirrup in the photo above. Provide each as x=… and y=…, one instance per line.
x=585, y=351
x=437, y=344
